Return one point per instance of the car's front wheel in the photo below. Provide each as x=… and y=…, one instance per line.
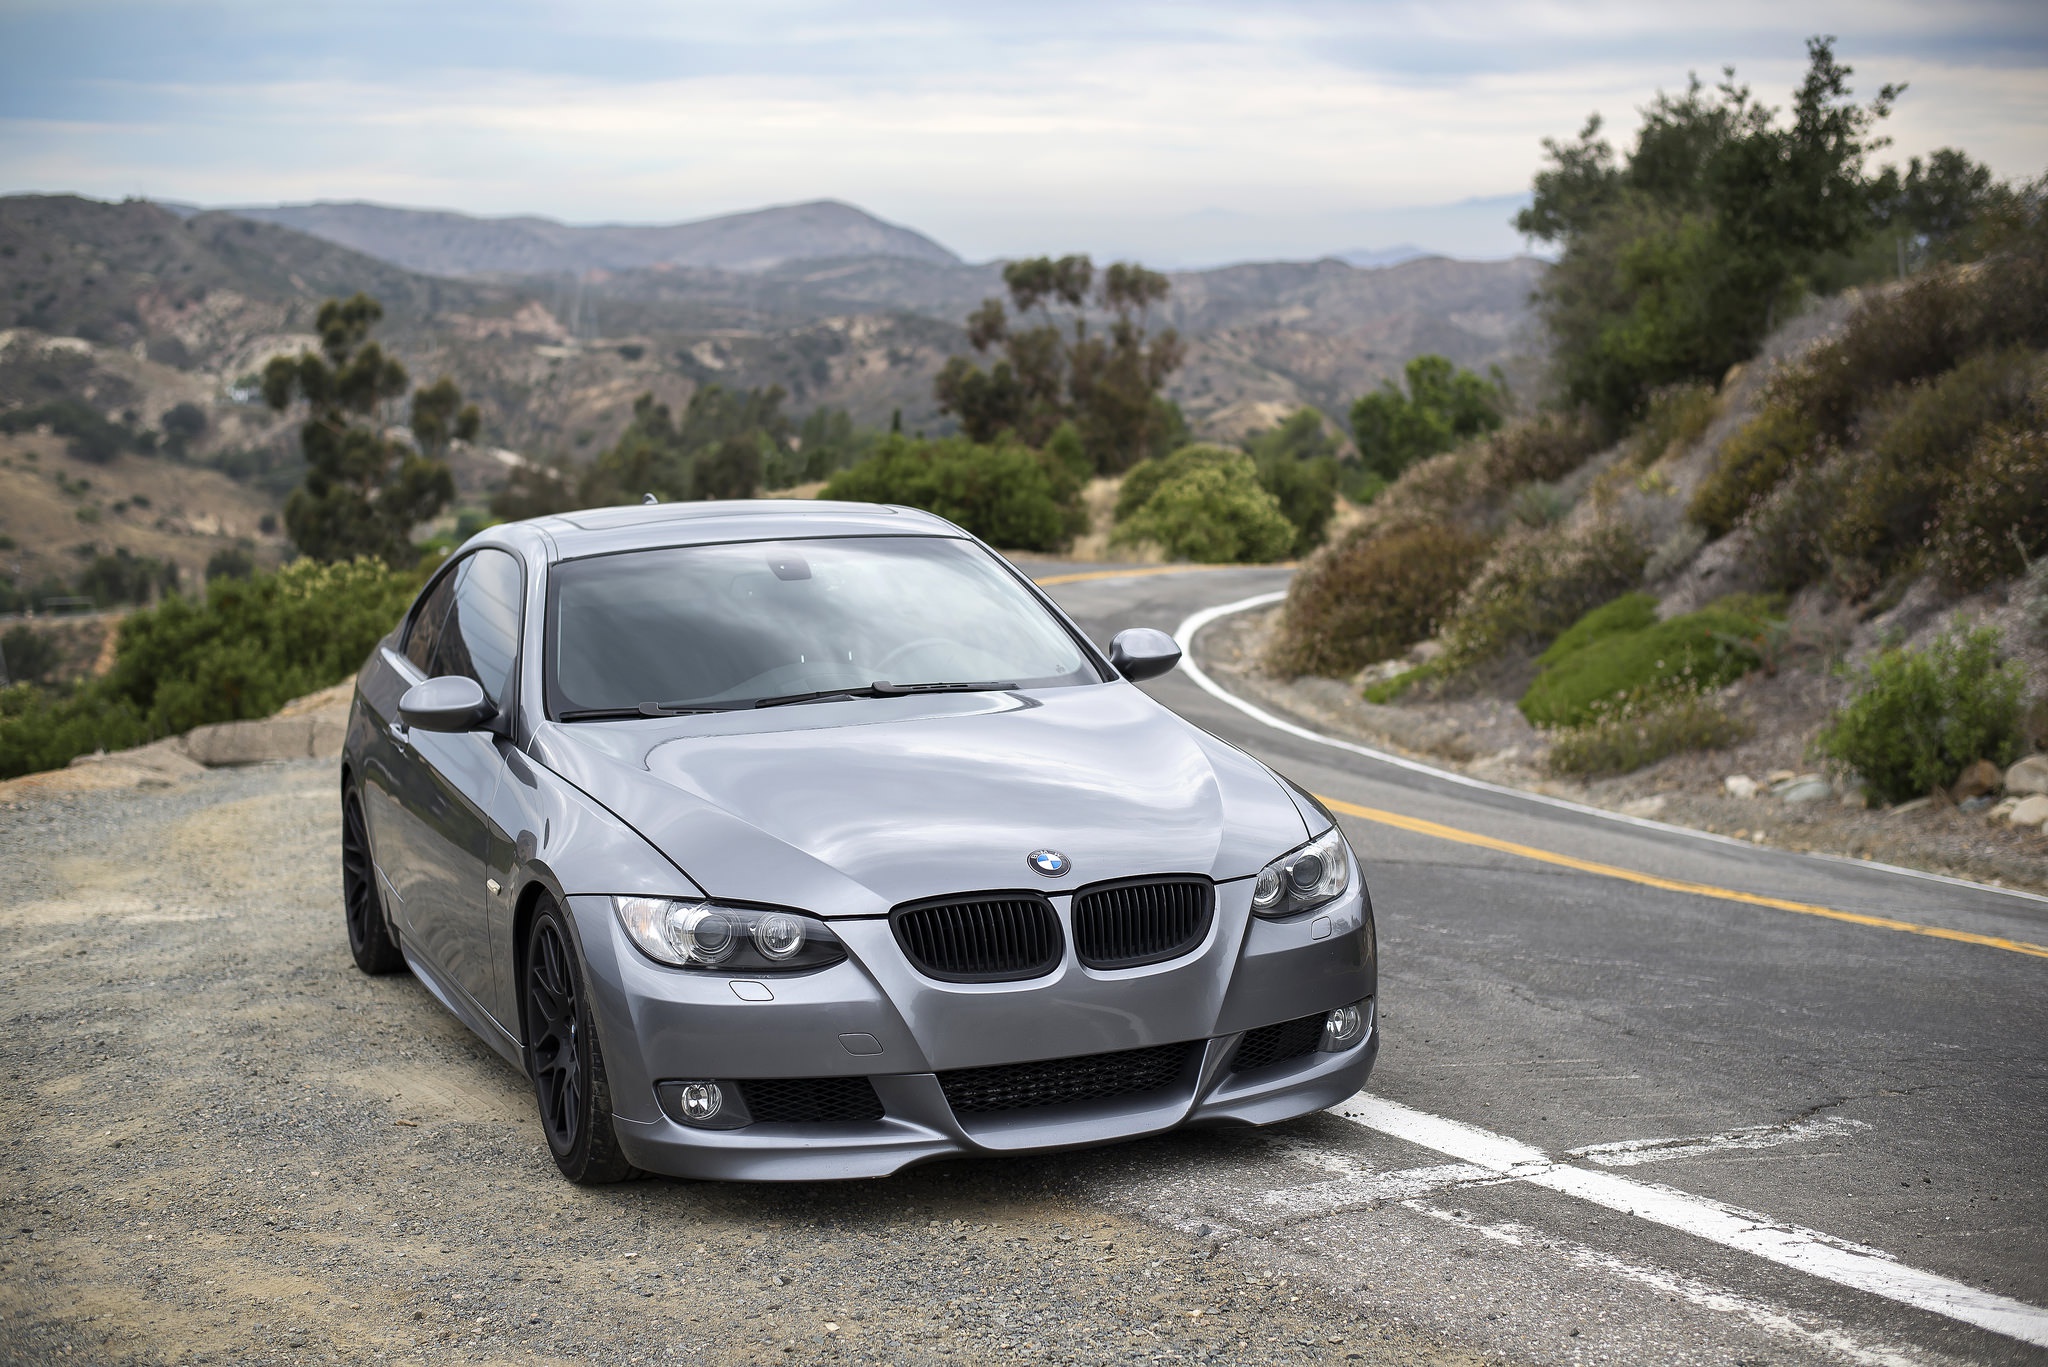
x=370, y=941
x=563, y=1057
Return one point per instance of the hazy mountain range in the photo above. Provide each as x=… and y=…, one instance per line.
x=556, y=328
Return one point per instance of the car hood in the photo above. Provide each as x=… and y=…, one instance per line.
x=849, y=808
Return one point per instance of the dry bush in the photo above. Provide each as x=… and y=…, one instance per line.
x=1926, y=437
x=1536, y=585
x=1627, y=740
x=1546, y=447
x=1677, y=416
x=1371, y=597
x=1752, y=462
x=1995, y=518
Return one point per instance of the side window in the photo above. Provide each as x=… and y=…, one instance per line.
x=425, y=633
x=481, y=635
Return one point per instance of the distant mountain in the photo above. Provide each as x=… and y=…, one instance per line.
x=437, y=242
x=1383, y=256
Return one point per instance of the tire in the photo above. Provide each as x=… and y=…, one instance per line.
x=563, y=1058
x=370, y=938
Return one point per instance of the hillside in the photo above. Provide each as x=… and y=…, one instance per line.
x=437, y=242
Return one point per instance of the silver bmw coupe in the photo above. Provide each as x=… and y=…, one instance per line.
x=786, y=840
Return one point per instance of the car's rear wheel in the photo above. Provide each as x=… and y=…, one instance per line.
x=370, y=940
x=563, y=1057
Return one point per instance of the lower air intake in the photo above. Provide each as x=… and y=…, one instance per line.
x=810, y=1100
x=1271, y=1044
x=1064, y=1081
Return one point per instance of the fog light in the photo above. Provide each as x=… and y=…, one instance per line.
x=702, y=1101
x=1346, y=1026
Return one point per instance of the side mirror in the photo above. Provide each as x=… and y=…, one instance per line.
x=453, y=702
x=1141, y=653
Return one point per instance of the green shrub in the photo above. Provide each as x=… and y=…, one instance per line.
x=1372, y=597
x=251, y=646
x=1211, y=510
x=1625, y=740
x=1535, y=586
x=1443, y=406
x=32, y=656
x=1620, y=658
x=1995, y=518
x=1143, y=479
x=1008, y=495
x=1306, y=491
x=1918, y=717
x=1751, y=463
x=1786, y=526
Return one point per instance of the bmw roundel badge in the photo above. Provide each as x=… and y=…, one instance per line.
x=1051, y=863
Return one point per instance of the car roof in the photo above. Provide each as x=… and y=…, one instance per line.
x=602, y=531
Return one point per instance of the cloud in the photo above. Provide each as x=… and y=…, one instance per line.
x=1178, y=133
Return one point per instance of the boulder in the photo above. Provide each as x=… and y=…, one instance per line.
x=1982, y=778
x=2032, y=811
x=1739, y=785
x=2030, y=775
x=1806, y=788
x=261, y=741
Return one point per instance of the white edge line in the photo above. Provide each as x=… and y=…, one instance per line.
x=1184, y=636
x=1802, y=1250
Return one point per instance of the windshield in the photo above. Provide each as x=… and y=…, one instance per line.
x=732, y=625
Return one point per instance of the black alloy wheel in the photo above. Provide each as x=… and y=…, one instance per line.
x=370, y=940
x=563, y=1056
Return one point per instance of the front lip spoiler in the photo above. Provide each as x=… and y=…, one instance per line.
x=919, y=1126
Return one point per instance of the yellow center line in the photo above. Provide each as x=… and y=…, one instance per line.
x=1143, y=570
x=1651, y=880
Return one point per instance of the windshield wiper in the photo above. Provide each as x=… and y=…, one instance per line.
x=882, y=688
x=646, y=709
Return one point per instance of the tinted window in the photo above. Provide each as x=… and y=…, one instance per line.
x=425, y=632
x=723, y=625
x=481, y=636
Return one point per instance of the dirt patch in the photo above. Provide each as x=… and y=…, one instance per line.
x=228, y=1146
x=1489, y=738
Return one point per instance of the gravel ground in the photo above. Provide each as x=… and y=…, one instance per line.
x=227, y=1146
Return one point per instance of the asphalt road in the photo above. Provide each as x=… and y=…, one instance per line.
x=1868, y=1100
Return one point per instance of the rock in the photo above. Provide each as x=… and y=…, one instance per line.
x=1980, y=778
x=1644, y=806
x=1422, y=652
x=1810, y=788
x=2032, y=810
x=1777, y=776
x=1975, y=804
x=2003, y=811
x=1739, y=785
x=269, y=738
x=2030, y=775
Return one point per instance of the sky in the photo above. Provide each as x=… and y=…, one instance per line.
x=1178, y=134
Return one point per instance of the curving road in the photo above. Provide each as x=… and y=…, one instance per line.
x=1644, y=1095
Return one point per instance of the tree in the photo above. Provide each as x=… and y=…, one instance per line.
x=363, y=492
x=1297, y=465
x=1679, y=259
x=1057, y=370
x=1443, y=405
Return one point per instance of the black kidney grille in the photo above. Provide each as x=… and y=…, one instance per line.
x=1063, y=1081
x=1144, y=921
x=810, y=1100
x=1271, y=1044
x=978, y=940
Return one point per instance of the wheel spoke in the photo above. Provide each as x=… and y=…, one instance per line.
x=556, y=1052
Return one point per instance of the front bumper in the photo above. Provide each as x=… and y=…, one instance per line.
x=875, y=1017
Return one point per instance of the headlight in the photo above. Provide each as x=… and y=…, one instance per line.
x=688, y=934
x=1316, y=873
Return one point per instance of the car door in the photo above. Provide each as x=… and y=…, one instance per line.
x=398, y=793
x=455, y=776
